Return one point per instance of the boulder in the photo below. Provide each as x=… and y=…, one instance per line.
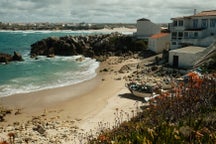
x=94, y=46
x=5, y=58
x=124, y=69
x=17, y=57
x=39, y=129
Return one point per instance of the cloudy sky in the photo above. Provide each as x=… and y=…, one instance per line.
x=100, y=11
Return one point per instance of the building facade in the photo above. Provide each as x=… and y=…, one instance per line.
x=159, y=42
x=185, y=57
x=145, y=28
x=198, y=29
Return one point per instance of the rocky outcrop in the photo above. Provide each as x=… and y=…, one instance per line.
x=17, y=57
x=95, y=46
x=5, y=58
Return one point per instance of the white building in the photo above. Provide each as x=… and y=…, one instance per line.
x=159, y=42
x=145, y=28
x=185, y=57
x=198, y=29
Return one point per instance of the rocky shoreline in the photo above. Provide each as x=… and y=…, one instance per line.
x=6, y=58
x=99, y=47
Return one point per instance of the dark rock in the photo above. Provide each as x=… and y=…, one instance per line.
x=17, y=57
x=51, y=55
x=2, y=118
x=105, y=70
x=39, y=129
x=124, y=69
x=94, y=46
x=5, y=57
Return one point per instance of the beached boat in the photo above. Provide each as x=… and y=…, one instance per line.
x=140, y=90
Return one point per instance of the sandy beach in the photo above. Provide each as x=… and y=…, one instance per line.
x=120, y=30
x=81, y=107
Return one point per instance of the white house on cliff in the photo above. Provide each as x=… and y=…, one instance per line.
x=145, y=28
x=151, y=32
x=192, y=38
x=159, y=42
x=198, y=29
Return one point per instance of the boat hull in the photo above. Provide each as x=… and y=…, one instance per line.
x=136, y=91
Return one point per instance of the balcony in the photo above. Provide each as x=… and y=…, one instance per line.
x=195, y=33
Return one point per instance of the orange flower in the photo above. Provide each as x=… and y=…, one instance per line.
x=102, y=138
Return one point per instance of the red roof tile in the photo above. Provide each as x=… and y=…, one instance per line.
x=201, y=14
x=206, y=13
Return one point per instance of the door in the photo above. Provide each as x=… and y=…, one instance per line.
x=175, y=61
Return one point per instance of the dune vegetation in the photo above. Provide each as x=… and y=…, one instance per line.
x=186, y=114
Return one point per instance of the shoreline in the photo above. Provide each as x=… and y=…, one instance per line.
x=84, y=104
x=120, y=30
x=50, y=96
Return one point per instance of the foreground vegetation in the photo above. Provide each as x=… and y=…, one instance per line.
x=186, y=114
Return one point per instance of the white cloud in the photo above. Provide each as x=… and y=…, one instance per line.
x=98, y=10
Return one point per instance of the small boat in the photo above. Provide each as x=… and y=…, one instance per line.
x=140, y=90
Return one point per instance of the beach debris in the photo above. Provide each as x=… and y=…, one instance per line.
x=124, y=69
x=118, y=78
x=78, y=119
x=105, y=70
x=39, y=129
x=18, y=111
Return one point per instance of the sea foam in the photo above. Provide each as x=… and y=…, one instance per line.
x=57, y=76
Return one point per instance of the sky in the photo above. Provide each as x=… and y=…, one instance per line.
x=99, y=11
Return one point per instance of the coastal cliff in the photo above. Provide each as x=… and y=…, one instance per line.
x=94, y=46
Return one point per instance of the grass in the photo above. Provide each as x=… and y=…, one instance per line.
x=187, y=114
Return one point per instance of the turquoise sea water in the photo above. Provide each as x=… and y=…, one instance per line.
x=44, y=73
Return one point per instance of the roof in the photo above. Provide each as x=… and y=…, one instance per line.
x=159, y=35
x=143, y=19
x=206, y=13
x=201, y=14
x=189, y=50
x=177, y=18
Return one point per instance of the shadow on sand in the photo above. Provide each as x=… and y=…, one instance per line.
x=132, y=97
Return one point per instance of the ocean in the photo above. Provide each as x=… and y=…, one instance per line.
x=44, y=73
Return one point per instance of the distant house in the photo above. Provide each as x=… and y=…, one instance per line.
x=198, y=29
x=159, y=42
x=145, y=28
x=185, y=57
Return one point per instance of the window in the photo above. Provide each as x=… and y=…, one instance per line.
x=181, y=23
x=173, y=43
x=174, y=35
x=175, y=23
x=195, y=23
x=195, y=34
x=186, y=34
x=204, y=23
x=180, y=34
x=212, y=22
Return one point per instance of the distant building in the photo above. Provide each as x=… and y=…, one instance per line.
x=198, y=29
x=159, y=42
x=145, y=28
x=185, y=57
